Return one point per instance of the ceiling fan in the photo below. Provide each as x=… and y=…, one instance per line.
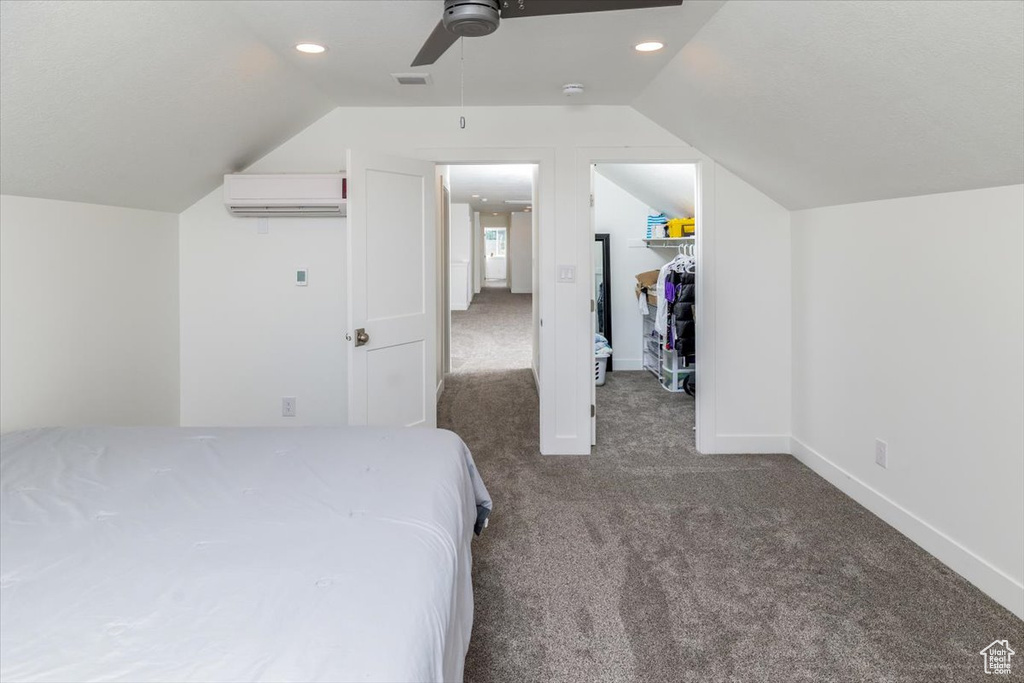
x=473, y=18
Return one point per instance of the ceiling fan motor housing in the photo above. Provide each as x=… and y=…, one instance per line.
x=471, y=18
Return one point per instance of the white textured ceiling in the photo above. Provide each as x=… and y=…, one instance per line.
x=830, y=102
x=141, y=104
x=668, y=188
x=497, y=183
x=147, y=103
x=525, y=62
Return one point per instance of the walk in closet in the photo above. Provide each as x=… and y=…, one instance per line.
x=645, y=288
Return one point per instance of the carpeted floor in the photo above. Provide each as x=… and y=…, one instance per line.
x=648, y=562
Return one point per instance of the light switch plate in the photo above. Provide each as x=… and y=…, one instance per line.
x=567, y=273
x=881, y=453
x=263, y=226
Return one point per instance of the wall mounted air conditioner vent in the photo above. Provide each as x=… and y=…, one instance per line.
x=286, y=194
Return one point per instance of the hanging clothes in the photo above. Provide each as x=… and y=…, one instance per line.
x=666, y=289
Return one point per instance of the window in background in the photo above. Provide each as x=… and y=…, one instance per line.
x=495, y=241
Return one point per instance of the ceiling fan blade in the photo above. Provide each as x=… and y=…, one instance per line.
x=513, y=9
x=437, y=44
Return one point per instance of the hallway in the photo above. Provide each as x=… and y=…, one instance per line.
x=649, y=562
x=494, y=334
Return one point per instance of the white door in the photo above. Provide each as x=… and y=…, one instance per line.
x=392, y=291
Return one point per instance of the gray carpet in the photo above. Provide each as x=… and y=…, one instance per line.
x=649, y=562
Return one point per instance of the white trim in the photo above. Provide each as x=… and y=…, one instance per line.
x=440, y=390
x=627, y=364
x=706, y=437
x=544, y=210
x=990, y=580
x=536, y=379
x=727, y=444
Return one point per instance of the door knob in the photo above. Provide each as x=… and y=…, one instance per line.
x=362, y=338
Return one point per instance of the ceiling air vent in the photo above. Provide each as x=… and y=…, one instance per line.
x=412, y=79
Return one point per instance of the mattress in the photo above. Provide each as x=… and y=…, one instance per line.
x=297, y=554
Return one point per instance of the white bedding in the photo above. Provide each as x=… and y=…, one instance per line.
x=301, y=554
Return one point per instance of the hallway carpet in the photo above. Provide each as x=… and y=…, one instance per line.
x=648, y=562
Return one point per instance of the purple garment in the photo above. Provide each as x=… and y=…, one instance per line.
x=670, y=291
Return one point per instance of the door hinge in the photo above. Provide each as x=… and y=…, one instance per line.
x=593, y=306
x=591, y=198
x=593, y=410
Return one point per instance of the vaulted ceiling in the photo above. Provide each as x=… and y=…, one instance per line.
x=822, y=102
x=668, y=188
x=147, y=103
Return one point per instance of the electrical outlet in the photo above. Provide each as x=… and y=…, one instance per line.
x=881, y=454
x=288, y=406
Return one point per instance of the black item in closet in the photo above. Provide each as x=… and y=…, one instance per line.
x=682, y=311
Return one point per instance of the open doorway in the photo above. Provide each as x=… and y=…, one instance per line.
x=645, y=226
x=491, y=263
x=496, y=252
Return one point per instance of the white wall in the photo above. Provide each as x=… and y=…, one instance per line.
x=624, y=218
x=461, y=250
x=478, y=254
x=88, y=315
x=908, y=326
x=520, y=247
x=229, y=303
x=753, y=301
x=249, y=336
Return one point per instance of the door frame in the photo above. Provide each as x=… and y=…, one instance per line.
x=544, y=266
x=606, y=286
x=704, y=209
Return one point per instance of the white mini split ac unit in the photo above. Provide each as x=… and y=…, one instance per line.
x=286, y=194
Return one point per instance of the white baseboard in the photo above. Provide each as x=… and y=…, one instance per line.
x=628, y=365
x=440, y=389
x=536, y=377
x=990, y=580
x=521, y=291
x=567, y=445
x=729, y=444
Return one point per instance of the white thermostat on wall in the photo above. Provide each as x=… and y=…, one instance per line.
x=301, y=277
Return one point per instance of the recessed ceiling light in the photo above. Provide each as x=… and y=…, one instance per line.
x=652, y=46
x=495, y=214
x=484, y=199
x=310, y=48
x=476, y=196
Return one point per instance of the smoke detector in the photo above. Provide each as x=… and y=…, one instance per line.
x=571, y=89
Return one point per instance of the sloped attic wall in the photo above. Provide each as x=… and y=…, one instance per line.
x=824, y=102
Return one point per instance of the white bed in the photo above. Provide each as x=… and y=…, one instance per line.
x=302, y=554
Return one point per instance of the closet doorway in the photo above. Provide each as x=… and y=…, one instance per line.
x=645, y=222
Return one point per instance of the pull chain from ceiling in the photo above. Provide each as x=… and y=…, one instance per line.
x=462, y=82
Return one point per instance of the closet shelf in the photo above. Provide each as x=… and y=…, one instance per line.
x=667, y=242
